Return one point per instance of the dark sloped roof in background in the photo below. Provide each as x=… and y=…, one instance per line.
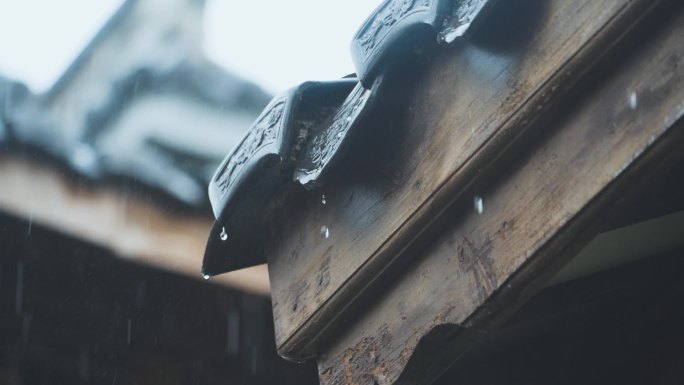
x=180, y=172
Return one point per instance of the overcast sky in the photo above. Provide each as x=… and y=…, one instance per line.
x=276, y=43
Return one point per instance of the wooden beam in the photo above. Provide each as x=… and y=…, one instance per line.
x=458, y=113
x=127, y=223
x=538, y=209
x=502, y=157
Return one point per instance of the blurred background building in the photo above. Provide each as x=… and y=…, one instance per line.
x=104, y=216
x=120, y=149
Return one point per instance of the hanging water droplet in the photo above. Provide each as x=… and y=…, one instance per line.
x=323, y=200
x=206, y=276
x=224, y=235
x=633, y=100
x=325, y=232
x=479, y=204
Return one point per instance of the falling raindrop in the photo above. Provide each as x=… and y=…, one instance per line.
x=325, y=232
x=233, y=343
x=254, y=360
x=19, y=293
x=140, y=295
x=323, y=200
x=633, y=100
x=479, y=204
x=83, y=362
x=128, y=332
x=30, y=224
x=224, y=235
x=25, y=325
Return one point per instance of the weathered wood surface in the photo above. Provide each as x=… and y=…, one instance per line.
x=537, y=212
x=128, y=223
x=601, y=329
x=460, y=111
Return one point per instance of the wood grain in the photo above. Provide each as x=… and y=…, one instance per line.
x=538, y=211
x=457, y=114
